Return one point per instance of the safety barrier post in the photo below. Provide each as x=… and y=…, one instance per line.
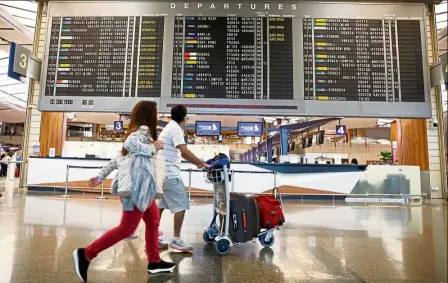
x=233, y=180
x=66, y=183
x=83, y=191
x=275, y=179
x=189, y=186
x=102, y=192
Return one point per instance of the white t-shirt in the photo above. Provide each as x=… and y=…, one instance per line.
x=169, y=158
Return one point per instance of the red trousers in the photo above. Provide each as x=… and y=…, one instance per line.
x=128, y=224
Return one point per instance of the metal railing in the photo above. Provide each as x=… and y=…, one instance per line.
x=232, y=173
x=407, y=198
x=81, y=167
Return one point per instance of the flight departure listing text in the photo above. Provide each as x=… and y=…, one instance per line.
x=232, y=58
x=235, y=58
x=105, y=57
x=363, y=60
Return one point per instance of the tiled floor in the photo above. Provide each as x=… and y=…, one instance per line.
x=319, y=243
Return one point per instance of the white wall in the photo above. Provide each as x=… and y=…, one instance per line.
x=435, y=173
x=110, y=149
x=99, y=149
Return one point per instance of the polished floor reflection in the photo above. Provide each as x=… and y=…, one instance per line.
x=321, y=242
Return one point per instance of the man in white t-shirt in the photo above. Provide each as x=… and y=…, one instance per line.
x=175, y=197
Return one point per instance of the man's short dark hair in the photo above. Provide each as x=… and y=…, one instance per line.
x=178, y=113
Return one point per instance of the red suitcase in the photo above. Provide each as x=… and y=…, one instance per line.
x=271, y=212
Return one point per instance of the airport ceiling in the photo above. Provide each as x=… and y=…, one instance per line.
x=17, y=22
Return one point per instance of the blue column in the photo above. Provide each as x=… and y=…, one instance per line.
x=284, y=140
x=254, y=154
x=269, y=150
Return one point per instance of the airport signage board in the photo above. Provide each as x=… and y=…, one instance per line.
x=118, y=126
x=341, y=130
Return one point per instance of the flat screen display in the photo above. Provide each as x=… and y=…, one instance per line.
x=208, y=128
x=250, y=129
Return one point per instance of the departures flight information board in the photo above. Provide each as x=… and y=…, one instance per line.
x=326, y=59
x=100, y=56
x=233, y=58
x=363, y=60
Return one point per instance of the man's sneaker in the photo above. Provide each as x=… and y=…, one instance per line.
x=178, y=244
x=161, y=266
x=163, y=245
x=81, y=264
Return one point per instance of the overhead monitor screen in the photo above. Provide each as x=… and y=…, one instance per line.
x=208, y=128
x=297, y=59
x=250, y=129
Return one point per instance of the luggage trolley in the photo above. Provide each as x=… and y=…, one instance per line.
x=218, y=234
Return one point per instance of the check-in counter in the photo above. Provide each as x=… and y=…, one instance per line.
x=48, y=175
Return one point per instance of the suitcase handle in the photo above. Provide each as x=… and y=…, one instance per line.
x=244, y=220
x=276, y=191
x=235, y=222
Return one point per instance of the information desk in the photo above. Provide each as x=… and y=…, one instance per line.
x=49, y=174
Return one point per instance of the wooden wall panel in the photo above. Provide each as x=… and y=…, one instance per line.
x=52, y=132
x=412, y=140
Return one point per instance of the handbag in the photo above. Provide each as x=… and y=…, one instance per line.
x=124, y=175
x=271, y=210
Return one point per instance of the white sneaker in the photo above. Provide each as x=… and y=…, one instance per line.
x=162, y=244
x=178, y=244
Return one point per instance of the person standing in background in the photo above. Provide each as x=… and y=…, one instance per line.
x=174, y=196
x=1, y=164
x=5, y=158
x=19, y=159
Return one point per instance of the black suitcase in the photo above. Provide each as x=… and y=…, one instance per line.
x=244, y=218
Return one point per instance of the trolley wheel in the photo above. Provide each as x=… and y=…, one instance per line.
x=210, y=235
x=223, y=246
x=267, y=239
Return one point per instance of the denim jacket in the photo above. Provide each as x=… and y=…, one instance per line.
x=135, y=169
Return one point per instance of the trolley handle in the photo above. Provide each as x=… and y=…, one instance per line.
x=274, y=190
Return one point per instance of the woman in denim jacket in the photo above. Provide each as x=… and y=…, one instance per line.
x=141, y=141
